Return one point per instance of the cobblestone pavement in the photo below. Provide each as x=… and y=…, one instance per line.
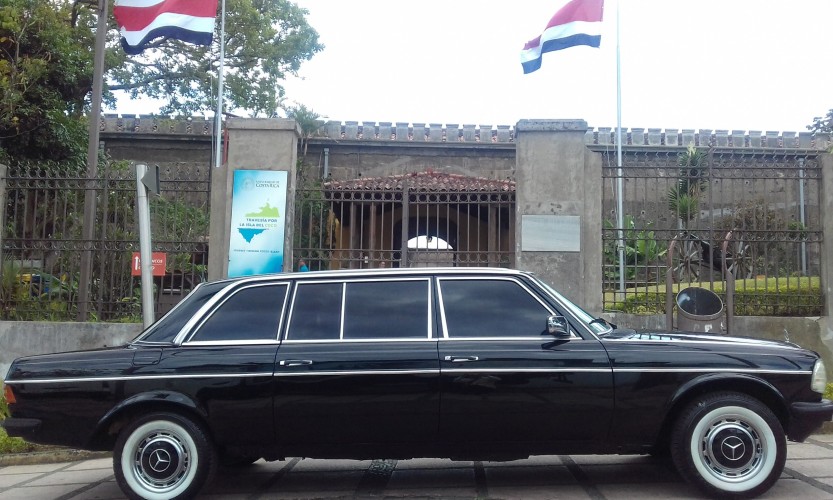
x=808, y=475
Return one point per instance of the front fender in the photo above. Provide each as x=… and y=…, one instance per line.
x=738, y=382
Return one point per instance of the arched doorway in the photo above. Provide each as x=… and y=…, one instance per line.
x=370, y=221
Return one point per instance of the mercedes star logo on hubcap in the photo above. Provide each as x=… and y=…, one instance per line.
x=159, y=460
x=732, y=448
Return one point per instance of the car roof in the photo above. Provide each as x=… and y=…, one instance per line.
x=382, y=272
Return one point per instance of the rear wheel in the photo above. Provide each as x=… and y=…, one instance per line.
x=729, y=445
x=163, y=456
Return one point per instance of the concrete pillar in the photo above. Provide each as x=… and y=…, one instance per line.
x=253, y=144
x=558, y=208
x=826, y=257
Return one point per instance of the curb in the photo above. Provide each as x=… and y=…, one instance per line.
x=51, y=456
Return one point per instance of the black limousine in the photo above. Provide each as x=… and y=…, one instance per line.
x=474, y=364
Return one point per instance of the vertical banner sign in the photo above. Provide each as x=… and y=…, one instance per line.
x=258, y=222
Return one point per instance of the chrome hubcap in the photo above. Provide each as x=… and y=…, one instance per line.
x=161, y=461
x=732, y=449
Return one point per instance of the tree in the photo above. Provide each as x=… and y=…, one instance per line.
x=822, y=124
x=309, y=121
x=266, y=40
x=45, y=76
x=46, y=70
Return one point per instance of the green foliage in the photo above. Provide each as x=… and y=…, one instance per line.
x=4, y=407
x=822, y=124
x=828, y=392
x=33, y=295
x=753, y=297
x=309, y=121
x=312, y=232
x=10, y=444
x=265, y=42
x=641, y=249
x=13, y=444
x=752, y=217
x=45, y=75
x=684, y=197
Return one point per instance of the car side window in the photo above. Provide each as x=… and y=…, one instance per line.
x=386, y=310
x=316, y=312
x=491, y=308
x=251, y=313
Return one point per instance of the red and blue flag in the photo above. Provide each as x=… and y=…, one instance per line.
x=144, y=21
x=577, y=23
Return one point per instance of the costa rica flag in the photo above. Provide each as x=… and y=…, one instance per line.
x=144, y=21
x=577, y=23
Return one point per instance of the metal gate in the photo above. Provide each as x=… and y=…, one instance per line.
x=414, y=220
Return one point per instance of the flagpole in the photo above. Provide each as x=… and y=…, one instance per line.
x=620, y=216
x=88, y=233
x=218, y=118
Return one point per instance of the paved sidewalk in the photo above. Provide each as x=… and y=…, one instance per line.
x=808, y=475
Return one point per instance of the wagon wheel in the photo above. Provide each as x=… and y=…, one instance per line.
x=686, y=261
x=741, y=260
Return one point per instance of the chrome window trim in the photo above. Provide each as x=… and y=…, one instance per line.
x=285, y=334
x=203, y=317
x=197, y=343
x=394, y=372
x=152, y=328
x=344, y=283
x=197, y=317
x=343, y=304
x=483, y=278
x=359, y=341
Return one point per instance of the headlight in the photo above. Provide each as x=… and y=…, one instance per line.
x=819, y=377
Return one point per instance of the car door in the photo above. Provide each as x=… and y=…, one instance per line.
x=358, y=365
x=225, y=363
x=504, y=379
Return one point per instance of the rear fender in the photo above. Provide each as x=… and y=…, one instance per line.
x=112, y=421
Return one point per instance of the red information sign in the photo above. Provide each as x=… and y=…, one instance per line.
x=158, y=261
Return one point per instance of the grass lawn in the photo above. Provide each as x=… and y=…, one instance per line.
x=777, y=296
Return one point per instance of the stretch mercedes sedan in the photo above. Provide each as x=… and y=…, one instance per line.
x=463, y=363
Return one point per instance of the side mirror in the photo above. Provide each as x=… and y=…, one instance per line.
x=557, y=326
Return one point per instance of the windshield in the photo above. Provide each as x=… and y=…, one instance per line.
x=599, y=327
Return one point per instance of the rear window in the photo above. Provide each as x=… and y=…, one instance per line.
x=386, y=310
x=165, y=330
x=251, y=313
x=372, y=310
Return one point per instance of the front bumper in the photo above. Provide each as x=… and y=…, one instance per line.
x=806, y=418
x=21, y=427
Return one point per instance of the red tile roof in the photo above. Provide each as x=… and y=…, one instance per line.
x=429, y=181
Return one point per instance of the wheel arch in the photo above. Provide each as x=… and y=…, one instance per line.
x=109, y=426
x=755, y=387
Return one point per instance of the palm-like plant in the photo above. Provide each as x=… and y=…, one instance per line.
x=684, y=197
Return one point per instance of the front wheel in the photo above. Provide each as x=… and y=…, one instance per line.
x=163, y=456
x=729, y=445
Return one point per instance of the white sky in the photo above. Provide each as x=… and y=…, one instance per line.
x=715, y=64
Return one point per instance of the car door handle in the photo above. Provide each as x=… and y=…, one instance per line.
x=461, y=359
x=295, y=362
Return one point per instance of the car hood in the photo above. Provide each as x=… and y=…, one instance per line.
x=683, y=336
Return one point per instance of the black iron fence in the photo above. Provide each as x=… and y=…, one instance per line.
x=43, y=243
x=338, y=227
x=768, y=199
